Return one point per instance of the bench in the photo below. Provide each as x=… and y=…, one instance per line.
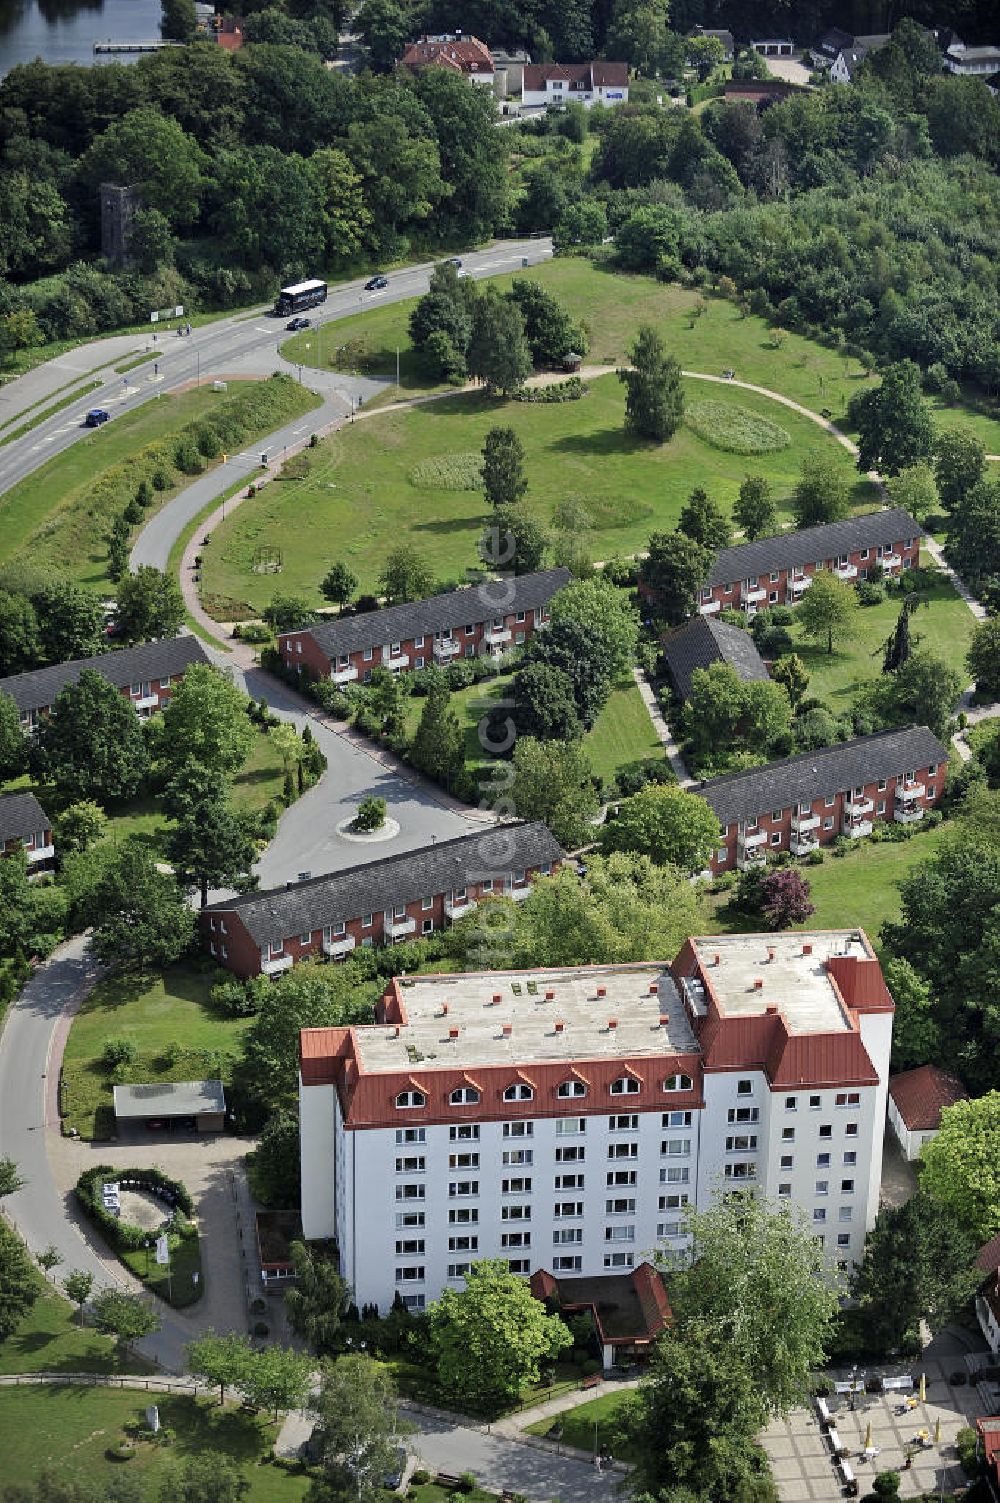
x=447, y=1479
x=823, y=1410
x=834, y=1438
x=897, y=1385
x=847, y=1476
x=592, y=1380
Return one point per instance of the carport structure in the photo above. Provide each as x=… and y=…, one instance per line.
x=197, y=1104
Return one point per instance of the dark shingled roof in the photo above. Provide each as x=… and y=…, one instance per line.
x=701, y=642
x=812, y=545
x=422, y=618
x=279, y=912
x=21, y=814
x=810, y=775
x=149, y=660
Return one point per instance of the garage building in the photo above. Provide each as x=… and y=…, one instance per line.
x=195, y=1105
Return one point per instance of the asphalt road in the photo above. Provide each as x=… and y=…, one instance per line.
x=244, y=344
x=498, y=1463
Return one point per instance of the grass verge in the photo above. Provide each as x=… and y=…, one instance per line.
x=175, y=1283
x=177, y=1034
x=51, y=1340
x=367, y=490
x=47, y=412
x=130, y=365
x=69, y=1430
x=590, y=1426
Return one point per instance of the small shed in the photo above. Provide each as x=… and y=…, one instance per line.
x=173, y=1105
x=916, y=1100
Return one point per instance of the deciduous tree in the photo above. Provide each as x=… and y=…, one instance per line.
x=78, y=1285
x=19, y=1281
x=92, y=744
x=206, y=722
x=338, y=584
x=753, y=510
x=491, y=1337
x=821, y=491
x=20, y=639
x=211, y=844
x=512, y=540
x=278, y=1378
x=961, y=1165
x=70, y=621
x=916, y=1037
x=674, y=572
x=554, y=783
x=504, y=480
x=208, y=1477
x=915, y=491
x=704, y=520
x=13, y=743
x=606, y=613
x=223, y=1360
x=127, y=1317
x=894, y=426
x=791, y=673
x=406, y=575
x=667, y=824
x=150, y=605
x=545, y=703
x=360, y=1427
x=828, y=609
x=318, y=1300
x=654, y=401
x=959, y=465
x=498, y=350
x=139, y=916
x=983, y=657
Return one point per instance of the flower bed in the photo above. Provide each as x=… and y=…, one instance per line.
x=737, y=430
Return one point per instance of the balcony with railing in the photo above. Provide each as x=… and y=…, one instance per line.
x=856, y=828
x=908, y=792
x=446, y=648
x=394, y=660
x=891, y=561
x=798, y=583
x=275, y=965
x=458, y=908
x=147, y=702
x=802, y=845
x=803, y=821
x=399, y=928
x=344, y=675
x=339, y=945
x=908, y=816
x=752, y=595
x=857, y=806
x=709, y=607
x=37, y=853
x=846, y=571
x=497, y=636
x=751, y=849
x=517, y=893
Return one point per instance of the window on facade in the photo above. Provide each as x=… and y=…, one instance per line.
x=411, y=1135
x=464, y=1096
x=850, y=1158
x=414, y=1164
x=624, y=1206
x=518, y=1092
x=569, y=1155
x=410, y=1098
x=848, y=1098
x=465, y=1132
x=619, y=1260
x=461, y=1189
x=741, y=1170
x=518, y=1156
x=744, y=1114
x=822, y=1161
x=568, y=1127
x=625, y=1085
x=406, y=1219
x=825, y=1131
x=791, y=1103
x=568, y=1088
x=410, y=1192
x=788, y=1134
x=569, y=1182
x=815, y=1102
x=515, y=1239
x=784, y=1189
x=741, y=1143
x=623, y=1150
x=675, y=1119
x=846, y=1213
x=623, y=1122
x=822, y=1187
x=620, y=1177
x=515, y=1213
x=463, y=1244
x=409, y=1247
x=518, y=1129
x=819, y=1214
x=519, y=1186
x=677, y=1083
x=744, y=1088
x=413, y=1274
x=463, y=1216
x=675, y=1175
x=787, y=1160
x=847, y=1187
x=463, y=1161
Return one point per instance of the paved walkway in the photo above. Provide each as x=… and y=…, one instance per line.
x=662, y=729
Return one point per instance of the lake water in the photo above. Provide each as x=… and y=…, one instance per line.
x=64, y=31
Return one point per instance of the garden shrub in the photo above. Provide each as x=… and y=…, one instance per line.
x=118, y=1051
x=187, y=458
x=370, y=815
x=560, y=391
x=123, y=1235
x=736, y=430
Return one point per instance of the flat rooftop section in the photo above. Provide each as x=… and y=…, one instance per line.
x=169, y=1098
x=532, y=1018
x=793, y=981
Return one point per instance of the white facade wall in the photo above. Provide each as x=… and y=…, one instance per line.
x=603, y=94
x=988, y=1324
x=350, y=1180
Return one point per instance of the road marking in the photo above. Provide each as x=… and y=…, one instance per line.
x=301, y=429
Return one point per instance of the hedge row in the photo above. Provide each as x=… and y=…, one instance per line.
x=123, y=1235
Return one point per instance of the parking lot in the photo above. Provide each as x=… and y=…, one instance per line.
x=801, y=1455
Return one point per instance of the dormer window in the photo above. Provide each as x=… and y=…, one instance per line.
x=570, y=1088
x=464, y=1096
x=677, y=1083
x=410, y=1098
x=625, y=1085
x=518, y=1092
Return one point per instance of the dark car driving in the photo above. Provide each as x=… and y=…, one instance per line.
x=95, y=417
x=295, y=324
x=375, y=284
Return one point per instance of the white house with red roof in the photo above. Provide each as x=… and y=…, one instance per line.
x=916, y=1100
x=988, y=1293
x=465, y=55
x=588, y=83
x=562, y=1119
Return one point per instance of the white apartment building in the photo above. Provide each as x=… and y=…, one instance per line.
x=562, y=1119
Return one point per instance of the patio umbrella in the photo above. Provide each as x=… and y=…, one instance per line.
x=868, y=1435
x=923, y=1387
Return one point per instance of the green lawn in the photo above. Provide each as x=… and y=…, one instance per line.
x=622, y=735
x=364, y=492
x=861, y=888
x=68, y=1430
x=50, y=510
x=944, y=625
x=578, y=1425
x=170, y=1020
x=49, y=1340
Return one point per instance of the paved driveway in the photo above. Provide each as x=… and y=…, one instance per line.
x=498, y=1463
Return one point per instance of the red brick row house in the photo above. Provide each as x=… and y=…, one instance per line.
x=24, y=825
x=803, y=802
x=379, y=903
x=146, y=674
x=488, y=618
x=778, y=570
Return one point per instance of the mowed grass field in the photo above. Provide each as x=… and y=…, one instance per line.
x=50, y=510
x=50, y=1340
x=944, y=626
x=365, y=492
x=67, y=1430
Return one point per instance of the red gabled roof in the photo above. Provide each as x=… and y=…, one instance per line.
x=989, y=1434
x=591, y=75
x=988, y=1257
x=921, y=1095
x=462, y=54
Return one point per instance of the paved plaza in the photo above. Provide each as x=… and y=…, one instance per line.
x=801, y=1456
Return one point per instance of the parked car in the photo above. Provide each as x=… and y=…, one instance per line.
x=96, y=416
x=454, y=261
x=394, y=1476
x=375, y=284
x=295, y=324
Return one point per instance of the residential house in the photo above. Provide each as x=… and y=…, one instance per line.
x=721, y=35
x=916, y=1100
x=464, y=55
x=509, y=64
x=804, y=802
x=830, y=45
x=778, y=570
x=849, y=59
x=378, y=903
x=229, y=32
x=562, y=1119
x=971, y=62
x=759, y=91
x=629, y=1310
x=25, y=826
x=587, y=83
x=146, y=675
x=702, y=641
x=488, y=618
x=774, y=47
x=988, y=1449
